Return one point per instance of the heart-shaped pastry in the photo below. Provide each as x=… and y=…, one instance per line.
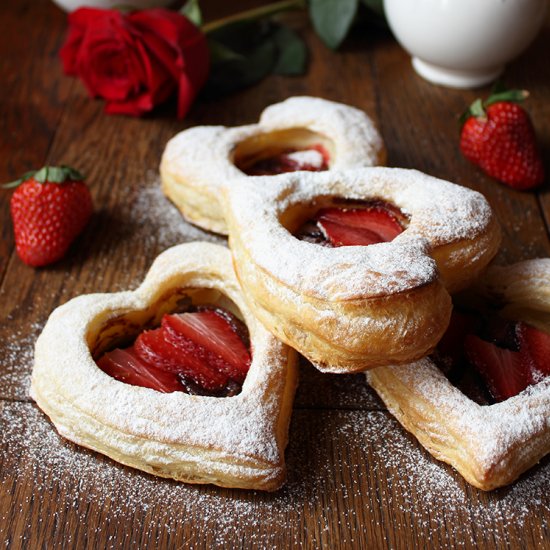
x=236, y=441
x=347, y=307
x=301, y=133
x=489, y=444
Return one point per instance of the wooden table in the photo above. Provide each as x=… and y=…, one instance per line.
x=356, y=479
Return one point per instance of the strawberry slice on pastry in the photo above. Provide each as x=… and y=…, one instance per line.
x=314, y=159
x=201, y=352
x=506, y=372
x=153, y=347
x=517, y=357
x=126, y=366
x=538, y=344
x=212, y=337
x=358, y=226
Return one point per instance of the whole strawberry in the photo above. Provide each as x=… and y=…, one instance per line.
x=49, y=208
x=498, y=136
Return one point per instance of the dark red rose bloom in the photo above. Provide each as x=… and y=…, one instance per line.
x=136, y=61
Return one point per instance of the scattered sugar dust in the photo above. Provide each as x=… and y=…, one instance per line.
x=407, y=487
x=163, y=225
x=155, y=222
x=406, y=483
x=16, y=359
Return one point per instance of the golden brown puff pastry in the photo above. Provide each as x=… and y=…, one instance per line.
x=234, y=441
x=197, y=161
x=489, y=445
x=353, y=308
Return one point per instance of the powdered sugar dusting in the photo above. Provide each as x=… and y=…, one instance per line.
x=308, y=157
x=16, y=358
x=483, y=434
x=355, y=139
x=493, y=443
x=238, y=437
x=161, y=222
x=441, y=214
x=433, y=492
x=407, y=487
x=204, y=154
x=199, y=161
x=155, y=221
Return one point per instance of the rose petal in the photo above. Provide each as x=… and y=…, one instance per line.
x=158, y=82
x=186, y=95
x=180, y=46
x=169, y=25
x=136, y=61
x=135, y=106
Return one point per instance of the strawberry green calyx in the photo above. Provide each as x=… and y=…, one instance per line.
x=477, y=108
x=511, y=96
x=47, y=174
x=499, y=94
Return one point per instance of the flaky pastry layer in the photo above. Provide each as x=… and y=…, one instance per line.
x=234, y=441
x=354, y=308
x=490, y=446
x=199, y=161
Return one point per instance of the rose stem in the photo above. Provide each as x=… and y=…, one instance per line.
x=254, y=13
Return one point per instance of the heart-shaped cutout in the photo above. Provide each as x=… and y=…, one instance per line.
x=301, y=133
x=489, y=445
x=351, y=308
x=236, y=441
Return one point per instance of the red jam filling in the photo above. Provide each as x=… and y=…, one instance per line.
x=368, y=223
x=493, y=359
x=313, y=159
x=205, y=352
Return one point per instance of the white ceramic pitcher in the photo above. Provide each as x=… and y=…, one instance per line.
x=464, y=43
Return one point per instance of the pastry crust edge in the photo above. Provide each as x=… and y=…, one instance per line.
x=189, y=462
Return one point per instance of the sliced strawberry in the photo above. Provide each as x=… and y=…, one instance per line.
x=154, y=348
x=505, y=372
x=126, y=366
x=537, y=344
x=314, y=159
x=358, y=226
x=210, y=335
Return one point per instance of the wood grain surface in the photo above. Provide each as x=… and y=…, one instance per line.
x=356, y=479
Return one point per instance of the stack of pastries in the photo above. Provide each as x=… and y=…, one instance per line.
x=356, y=266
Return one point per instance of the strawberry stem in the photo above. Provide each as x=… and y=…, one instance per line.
x=254, y=13
x=18, y=182
x=514, y=96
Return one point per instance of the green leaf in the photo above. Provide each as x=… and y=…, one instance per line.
x=244, y=54
x=292, y=59
x=376, y=6
x=192, y=11
x=332, y=19
x=220, y=53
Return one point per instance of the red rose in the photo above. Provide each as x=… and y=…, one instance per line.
x=136, y=61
